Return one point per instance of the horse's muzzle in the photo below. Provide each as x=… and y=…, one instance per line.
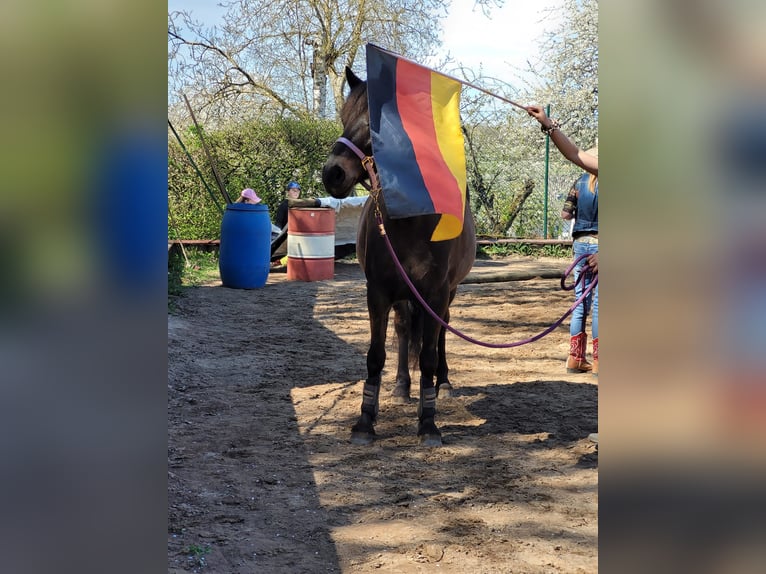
x=338, y=179
x=333, y=178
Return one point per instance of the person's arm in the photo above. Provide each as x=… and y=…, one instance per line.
x=568, y=149
x=570, y=205
x=280, y=219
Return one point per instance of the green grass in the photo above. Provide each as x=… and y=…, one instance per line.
x=196, y=555
x=506, y=249
x=197, y=551
x=202, y=268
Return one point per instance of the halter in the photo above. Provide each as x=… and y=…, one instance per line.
x=368, y=162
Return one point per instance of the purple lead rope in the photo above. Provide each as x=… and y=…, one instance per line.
x=457, y=332
x=367, y=162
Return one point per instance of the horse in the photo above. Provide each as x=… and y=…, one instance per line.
x=434, y=268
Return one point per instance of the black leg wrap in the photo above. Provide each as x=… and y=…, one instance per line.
x=363, y=432
x=427, y=405
x=370, y=399
x=427, y=431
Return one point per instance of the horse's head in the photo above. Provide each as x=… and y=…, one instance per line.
x=343, y=169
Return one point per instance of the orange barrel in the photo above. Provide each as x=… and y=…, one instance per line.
x=310, y=243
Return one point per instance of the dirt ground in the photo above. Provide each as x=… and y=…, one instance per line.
x=264, y=386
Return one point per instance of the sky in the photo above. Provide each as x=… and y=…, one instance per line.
x=501, y=45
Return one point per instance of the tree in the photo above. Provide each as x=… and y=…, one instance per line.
x=276, y=57
x=506, y=151
x=284, y=58
x=567, y=72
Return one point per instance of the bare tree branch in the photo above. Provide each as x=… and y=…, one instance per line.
x=287, y=50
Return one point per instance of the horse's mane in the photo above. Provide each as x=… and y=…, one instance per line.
x=356, y=104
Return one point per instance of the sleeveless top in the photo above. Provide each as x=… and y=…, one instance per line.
x=586, y=216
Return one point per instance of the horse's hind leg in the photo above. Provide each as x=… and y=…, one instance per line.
x=402, y=324
x=443, y=386
x=363, y=432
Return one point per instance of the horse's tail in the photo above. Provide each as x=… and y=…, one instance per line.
x=416, y=334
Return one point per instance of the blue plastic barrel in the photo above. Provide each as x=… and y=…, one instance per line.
x=245, y=246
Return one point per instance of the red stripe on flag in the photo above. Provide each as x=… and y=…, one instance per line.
x=413, y=99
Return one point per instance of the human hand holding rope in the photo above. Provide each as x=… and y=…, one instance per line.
x=593, y=262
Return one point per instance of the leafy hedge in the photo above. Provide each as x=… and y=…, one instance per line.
x=261, y=155
x=265, y=155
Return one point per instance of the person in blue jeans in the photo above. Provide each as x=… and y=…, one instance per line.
x=582, y=206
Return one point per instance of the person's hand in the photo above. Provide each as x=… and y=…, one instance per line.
x=538, y=113
x=593, y=262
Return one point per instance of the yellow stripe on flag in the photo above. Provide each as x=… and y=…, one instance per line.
x=445, y=103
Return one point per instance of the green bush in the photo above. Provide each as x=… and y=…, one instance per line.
x=175, y=273
x=265, y=155
x=261, y=155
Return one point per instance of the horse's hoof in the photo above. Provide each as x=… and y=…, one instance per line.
x=401, y=395
x=362, y=438
x=430, y=440
x=429, y=433
x=444, y=391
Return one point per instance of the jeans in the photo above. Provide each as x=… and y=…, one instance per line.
x=577, y=324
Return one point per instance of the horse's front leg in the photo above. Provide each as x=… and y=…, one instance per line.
x=363, y=432
x=427, y=430
x=402, y=324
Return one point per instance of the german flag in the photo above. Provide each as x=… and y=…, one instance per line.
x=417, y=140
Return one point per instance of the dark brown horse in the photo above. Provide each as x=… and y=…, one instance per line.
x=435, y=269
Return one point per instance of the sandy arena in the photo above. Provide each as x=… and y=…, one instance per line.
x=264, y=386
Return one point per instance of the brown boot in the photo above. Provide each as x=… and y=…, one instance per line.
x=595, y=357
x=576, y=362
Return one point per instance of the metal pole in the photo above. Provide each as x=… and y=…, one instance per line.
x=194, y=165
x=218, y=180
x=545, y=197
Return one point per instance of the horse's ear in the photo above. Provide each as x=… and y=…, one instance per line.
x=352, y=79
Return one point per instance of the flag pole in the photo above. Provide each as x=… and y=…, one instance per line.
x=475, y=87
